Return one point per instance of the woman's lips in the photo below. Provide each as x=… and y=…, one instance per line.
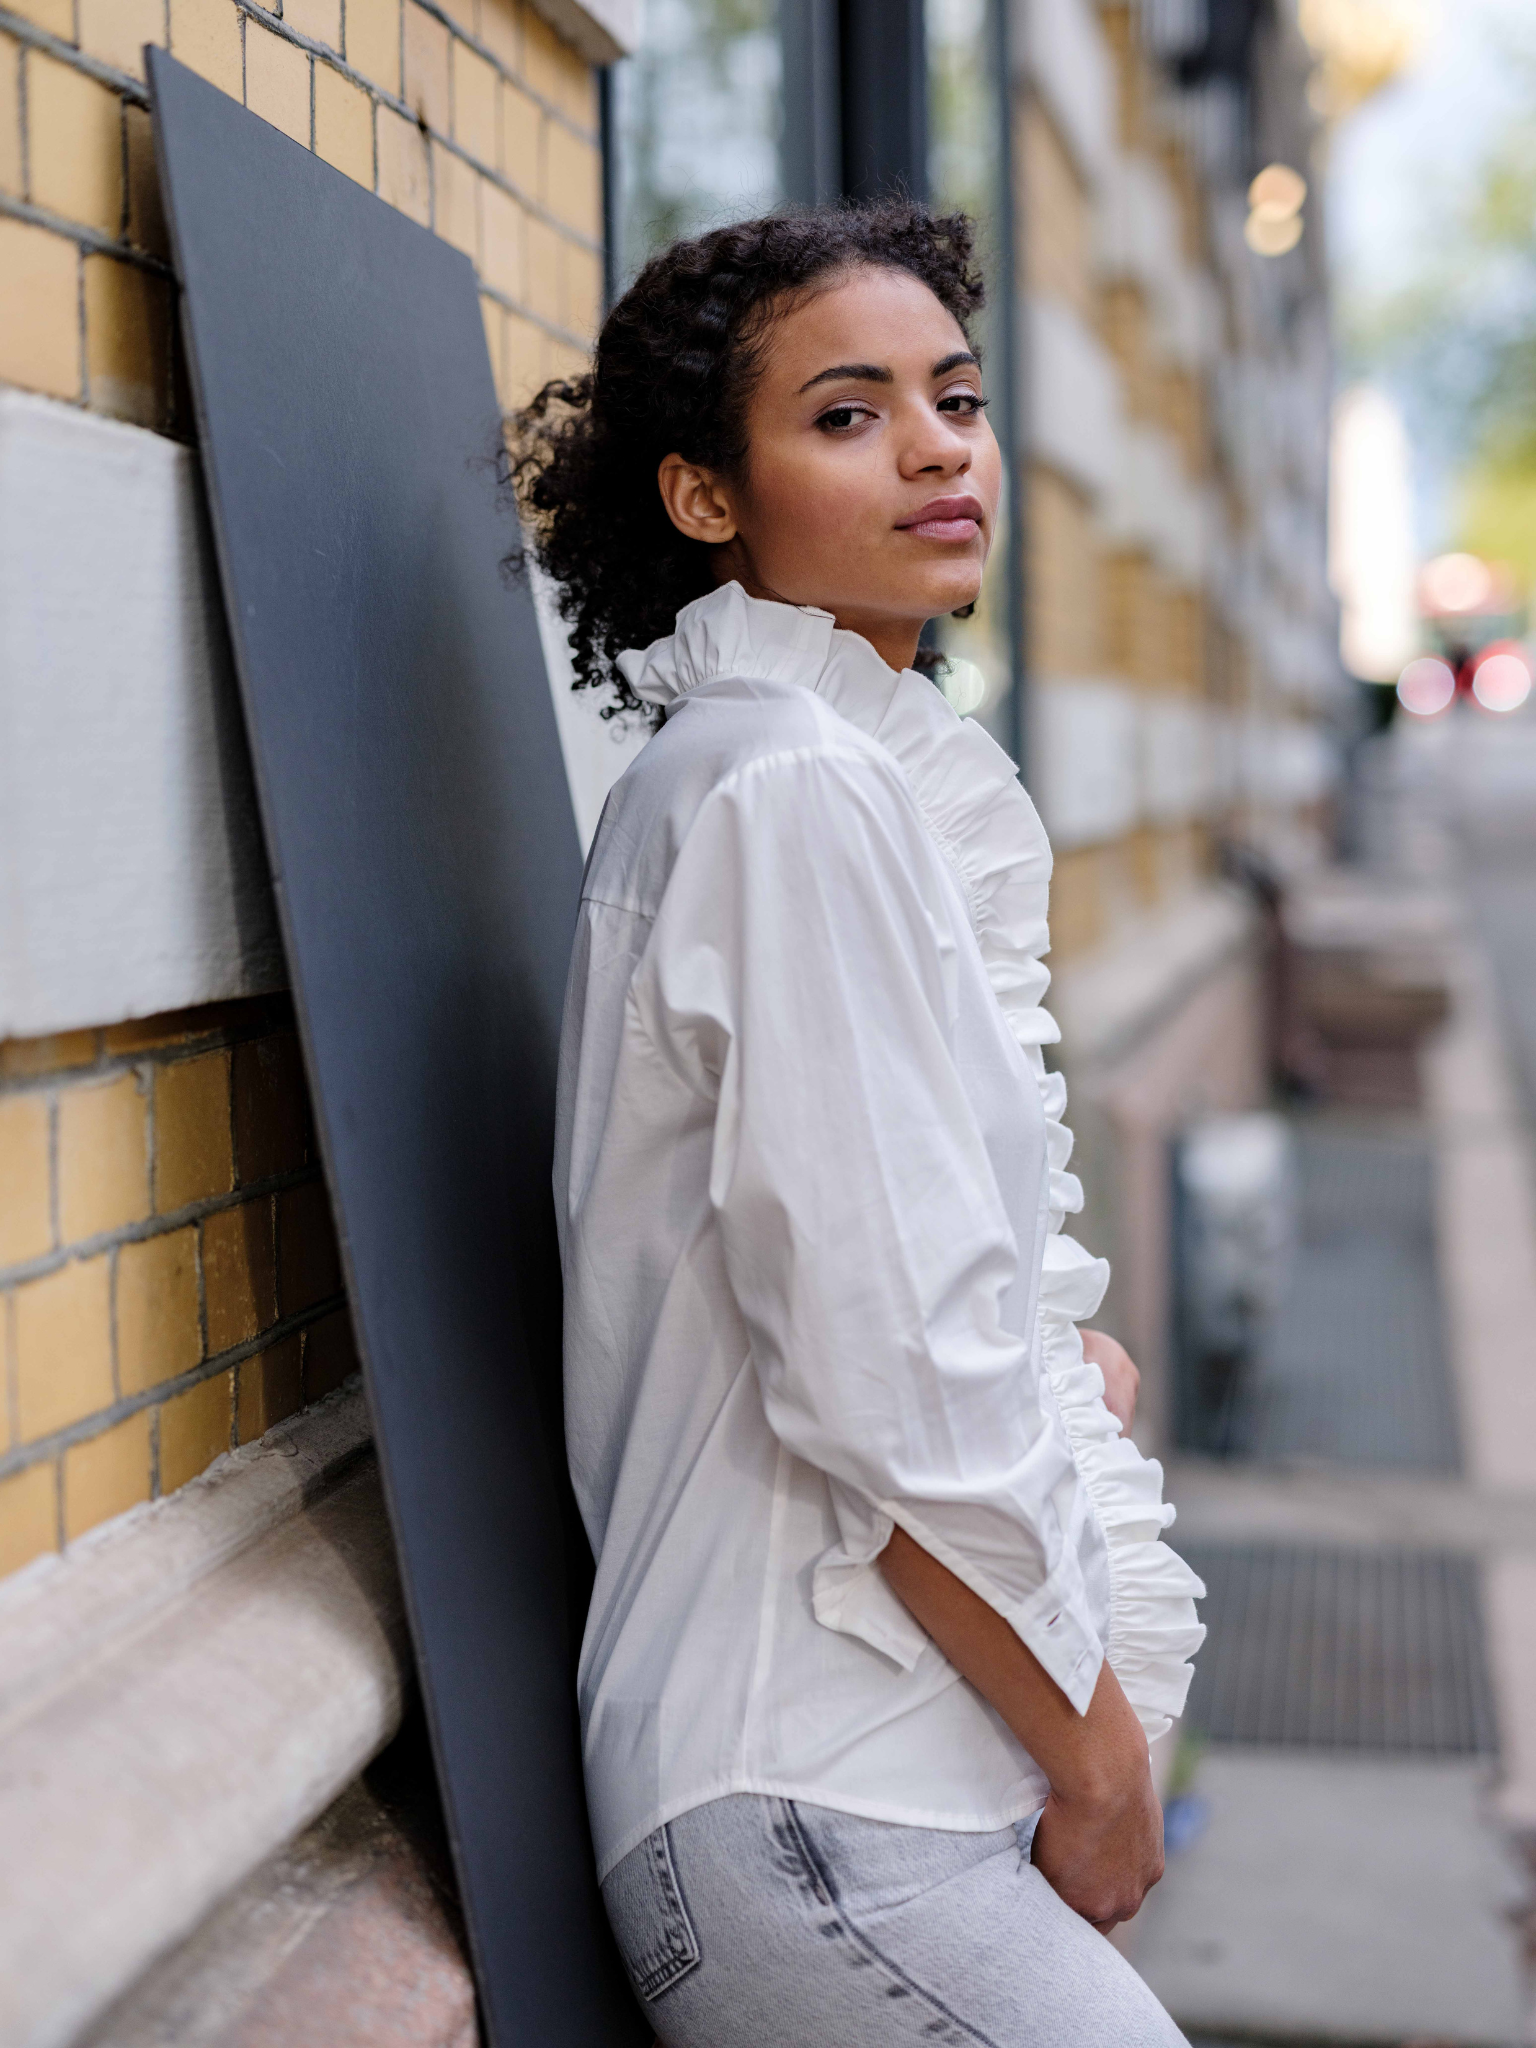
x=945, y=519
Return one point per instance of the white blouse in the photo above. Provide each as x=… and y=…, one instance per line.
x=811, y=1177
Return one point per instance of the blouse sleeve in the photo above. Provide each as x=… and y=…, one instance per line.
x=802, y=971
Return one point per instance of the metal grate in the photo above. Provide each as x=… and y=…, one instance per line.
x=1342, y=1649
x=1355, y=1368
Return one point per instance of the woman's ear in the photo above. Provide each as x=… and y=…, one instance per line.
x=696, y=503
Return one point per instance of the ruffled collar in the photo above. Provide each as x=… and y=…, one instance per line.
x=965, y=786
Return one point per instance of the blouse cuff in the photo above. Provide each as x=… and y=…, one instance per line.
x=850, y=1593
x=1052, y=1621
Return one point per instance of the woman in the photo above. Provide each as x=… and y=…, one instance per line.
x=881, y=1622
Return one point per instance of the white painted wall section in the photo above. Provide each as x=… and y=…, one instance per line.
x=1065, y=57
x=1074, y=397
x=1153, y=505
x=1178, y=777
x=1085, y=753
x=132, y=875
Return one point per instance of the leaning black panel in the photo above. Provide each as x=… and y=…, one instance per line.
x=427, y=872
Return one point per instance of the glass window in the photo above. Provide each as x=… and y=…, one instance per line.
x=967, y=170
x=698, y=115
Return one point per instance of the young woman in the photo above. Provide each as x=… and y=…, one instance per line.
x=881, y=1622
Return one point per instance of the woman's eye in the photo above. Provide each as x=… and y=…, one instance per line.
x=967, y=403
x=842, y=417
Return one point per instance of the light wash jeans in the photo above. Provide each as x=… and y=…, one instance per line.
x=765, y=1923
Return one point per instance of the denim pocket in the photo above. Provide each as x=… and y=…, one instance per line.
x=649, y=1917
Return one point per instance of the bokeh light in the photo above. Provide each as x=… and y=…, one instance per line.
x=1426, y=686
x=1278, y=191
x=1275, y=199
x=1502, y=679
x=1268, y=237
x=1456, y=583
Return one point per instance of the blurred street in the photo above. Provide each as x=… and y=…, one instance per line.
x=1354, y=1802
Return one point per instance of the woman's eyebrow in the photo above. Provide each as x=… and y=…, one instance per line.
x=961, y=355
x=864, y=373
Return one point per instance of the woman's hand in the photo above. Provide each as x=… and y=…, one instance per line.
x=1121, y=1379
x=1099, y=1841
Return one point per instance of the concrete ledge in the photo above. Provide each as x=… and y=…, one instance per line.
x=182, y=1696
x=1112, y=997
x=599, y=30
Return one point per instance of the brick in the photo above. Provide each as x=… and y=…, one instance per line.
x=344, y=125
x=583, y=289
x=103, y=1157
x=57, y=16
x=373, y=30
x=475, y=89
x=426, y=68
x=526, y=369
x=542, y=292
x=205, y=35
x=501, y=30
x=10, y=116
x=572, y=180
x=501, y=240
x=127, y=342
x=268, y=1388
x=555, y=72
x=26, y=1229
x=563, y=360
x=277, y=81
x=62, y=1337
x=522, y=143
x=330, y=1354
x=195, y=1428
x=271, y=1107
x=117, y=30
x=146, y=216
x=495, y=323
x=308, y=1262
x=106, y=1475
x=158, y=1330
x=30, y=1058
x=194, y=1156
x=75, y=144
x=239, y=1274
x=320, y=20
x=455, y=201
x=402, y=150
x=29, y=1508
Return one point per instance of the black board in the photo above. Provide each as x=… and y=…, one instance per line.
x=427, y=871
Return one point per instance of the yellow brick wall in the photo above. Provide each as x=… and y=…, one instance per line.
x=1065, y=578
x=1058, y=250
x=170, y=1285
x=473, y=117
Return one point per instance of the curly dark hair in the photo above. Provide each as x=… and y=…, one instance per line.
x=673, y=371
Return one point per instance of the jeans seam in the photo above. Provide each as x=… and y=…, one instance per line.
x=823, y=1877
x=656, y=1977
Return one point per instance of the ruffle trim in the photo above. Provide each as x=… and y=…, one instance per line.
x=972, y=802
x=1153, y=1629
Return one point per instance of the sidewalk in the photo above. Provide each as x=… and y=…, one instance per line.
x=1363, y=1815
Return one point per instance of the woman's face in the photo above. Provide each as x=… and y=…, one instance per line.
x=872, y=476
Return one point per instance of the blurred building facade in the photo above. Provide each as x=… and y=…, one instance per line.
x=1182, y=637
x=1157, y=644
